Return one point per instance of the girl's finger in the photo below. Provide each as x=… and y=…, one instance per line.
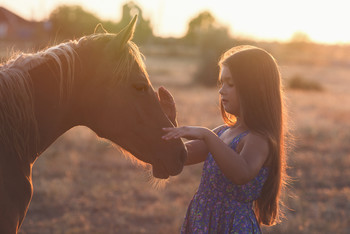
x=168, y=129
x=169, y=135
x=173, y=135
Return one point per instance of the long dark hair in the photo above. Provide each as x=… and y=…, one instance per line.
x=257, y=77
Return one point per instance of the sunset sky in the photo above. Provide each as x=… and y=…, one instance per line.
x=324, y=21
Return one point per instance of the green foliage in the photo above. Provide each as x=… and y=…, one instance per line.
x=143, y=31
x=299, y=82
x=212, y=40
x=198, y=26
x=299, y=41
x=300, y=37
x=73, y=21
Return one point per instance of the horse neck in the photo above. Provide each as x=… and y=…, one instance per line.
x=52, y=115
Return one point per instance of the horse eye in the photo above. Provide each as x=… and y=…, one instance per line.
x=141, y=87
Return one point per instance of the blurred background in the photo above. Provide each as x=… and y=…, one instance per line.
x=83, y=184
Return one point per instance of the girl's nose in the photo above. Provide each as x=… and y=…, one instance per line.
x=221, y=91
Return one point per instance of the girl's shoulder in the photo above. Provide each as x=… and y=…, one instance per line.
x=220, y=128
x=255, y=141
x=255, y=136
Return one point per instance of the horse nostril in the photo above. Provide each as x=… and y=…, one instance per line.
x=183, y=156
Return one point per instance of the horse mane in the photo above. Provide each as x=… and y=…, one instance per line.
x=17, y=117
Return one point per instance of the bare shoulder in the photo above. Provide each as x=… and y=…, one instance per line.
x=255, y=143
x=257, y=138
x=218, y=128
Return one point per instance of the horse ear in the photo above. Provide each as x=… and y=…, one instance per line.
x=100, y=29
x=120, y=39
x=127, y=33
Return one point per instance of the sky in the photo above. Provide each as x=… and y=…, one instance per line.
x=324, y=21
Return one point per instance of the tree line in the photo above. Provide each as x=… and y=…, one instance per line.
x=73, y=21
x=203, y=32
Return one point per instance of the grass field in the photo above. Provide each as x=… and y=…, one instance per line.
x=83, y=184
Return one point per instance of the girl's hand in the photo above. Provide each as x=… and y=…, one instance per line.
x=188, y=132
x=168, y=104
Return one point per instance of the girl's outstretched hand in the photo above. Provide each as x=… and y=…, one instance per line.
x=188, y=132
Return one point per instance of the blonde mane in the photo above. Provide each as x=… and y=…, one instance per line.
x=17, y=108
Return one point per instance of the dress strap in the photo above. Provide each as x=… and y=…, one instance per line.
x=238, y=138
x=222, y=130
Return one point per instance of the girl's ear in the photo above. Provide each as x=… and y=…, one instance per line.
x=119, y=40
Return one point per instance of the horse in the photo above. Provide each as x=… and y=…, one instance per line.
x=98, y=81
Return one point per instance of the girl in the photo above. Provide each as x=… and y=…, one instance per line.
x=244, y=169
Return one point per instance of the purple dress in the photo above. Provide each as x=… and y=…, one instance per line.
x=219, y=205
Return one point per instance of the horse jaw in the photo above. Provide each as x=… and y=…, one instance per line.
x=160, y=172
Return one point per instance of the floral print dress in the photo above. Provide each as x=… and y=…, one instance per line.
x=219, y=205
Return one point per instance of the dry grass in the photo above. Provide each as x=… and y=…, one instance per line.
x=83, y=184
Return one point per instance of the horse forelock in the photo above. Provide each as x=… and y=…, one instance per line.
x=128, y=57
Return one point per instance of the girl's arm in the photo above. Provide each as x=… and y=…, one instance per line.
x=239, y=168
x=197, y=150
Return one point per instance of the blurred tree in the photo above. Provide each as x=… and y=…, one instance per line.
x=299, y=41
x=143, y=31
x=199, y=25
x=72, y=21
x=212, y=39
x=300, y=37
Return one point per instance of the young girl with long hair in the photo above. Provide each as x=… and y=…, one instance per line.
x=245, y=166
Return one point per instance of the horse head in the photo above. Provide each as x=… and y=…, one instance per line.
x=115, y=98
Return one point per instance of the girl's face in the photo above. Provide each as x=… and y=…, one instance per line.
x=228, y=93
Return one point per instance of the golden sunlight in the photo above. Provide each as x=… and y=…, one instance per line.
x=83, y=184
x=322, y=21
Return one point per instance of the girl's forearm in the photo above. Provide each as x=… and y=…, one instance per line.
x=233, y=165
x=230, y=163
x=197, y=152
